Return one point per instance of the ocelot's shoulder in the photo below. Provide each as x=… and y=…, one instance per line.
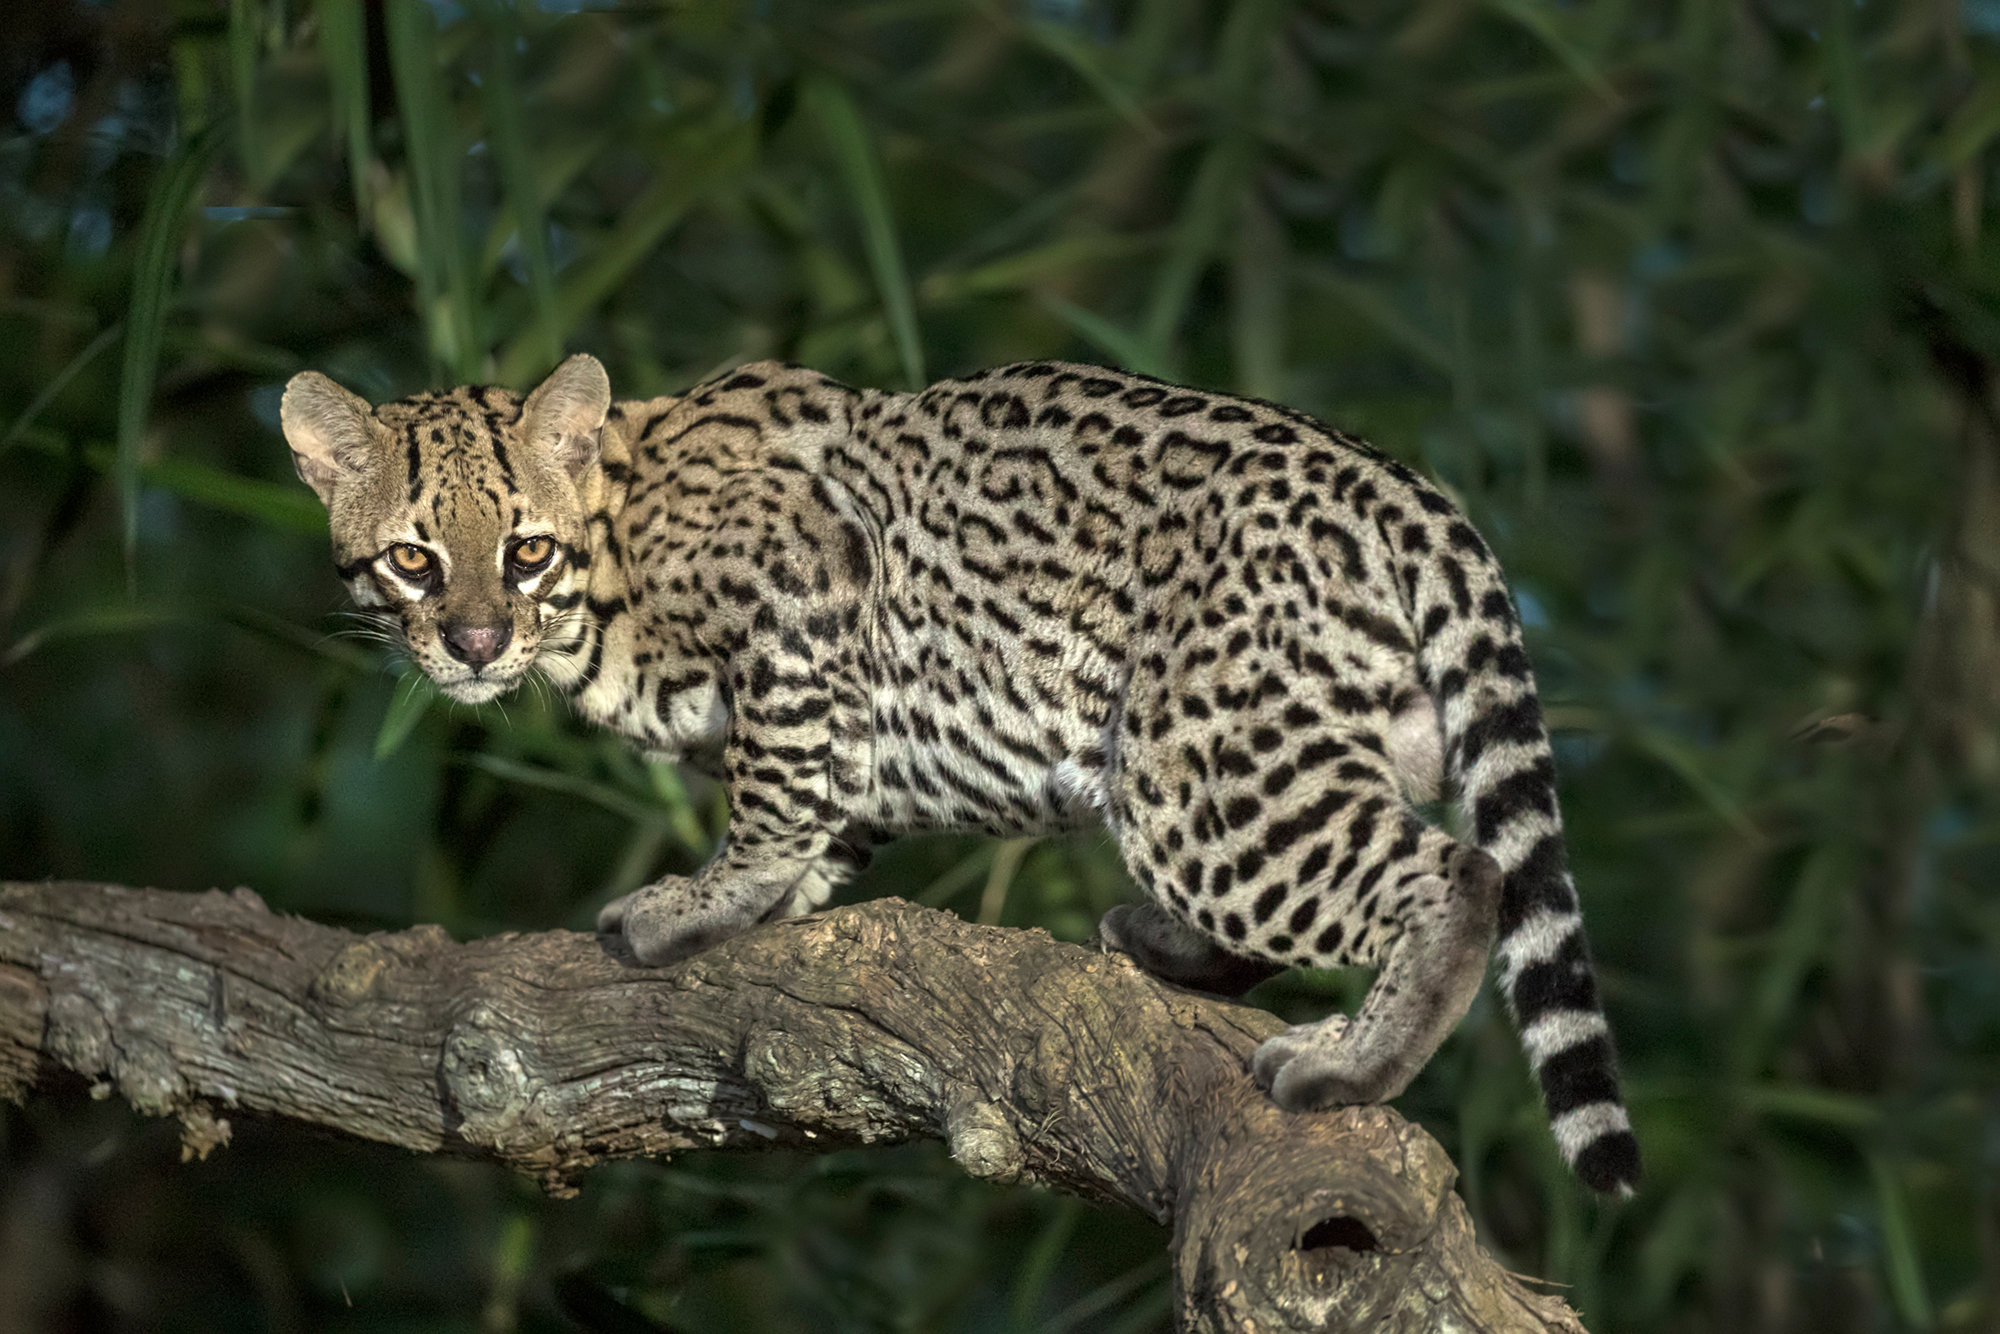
x=766, y=381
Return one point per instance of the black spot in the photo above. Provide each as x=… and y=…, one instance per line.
x=1579, y=1076
x=1283, y=833
x=1564, y=982
x=1314, y=863
x=1519, y=721
x=1303, y=915
x=1609, y=1162
x=1530, y=789
x=1541, y=881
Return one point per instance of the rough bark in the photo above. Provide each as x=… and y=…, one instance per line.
x=1035, y=1060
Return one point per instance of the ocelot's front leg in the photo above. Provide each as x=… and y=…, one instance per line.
x=795, y=762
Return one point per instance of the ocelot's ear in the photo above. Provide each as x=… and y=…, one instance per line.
x=327, y=428
x=566, y=411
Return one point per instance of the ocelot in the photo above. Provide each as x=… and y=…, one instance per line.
x=1036, y=596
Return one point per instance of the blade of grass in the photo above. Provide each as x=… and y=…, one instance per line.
x=679, y=186
x=1025, y=268
x=958, y=879
x=1380, y=312
x=1257, y=303
x=105, y=338
x=1089, y=1309
x=1219, y=183
x=243, y=77
x=113, y=620
x=1900, y=1256
x=413, y=698
x=1038, y=1266
x=430, y=143
x=273, y=503
x=1127, y=349
x=1000, y=878
x=854, y=154
x=500, y=93
x=1210, y=203
x=344, y=49
x=128, y=618
x=160, y=233
x=1543, y=27
x=1070, y=48
x=552, y=780
x=672, y=792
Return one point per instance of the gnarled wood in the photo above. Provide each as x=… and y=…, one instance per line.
x=1035, y=1060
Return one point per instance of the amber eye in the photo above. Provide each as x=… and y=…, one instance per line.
x=532, y=553
x=408, y=560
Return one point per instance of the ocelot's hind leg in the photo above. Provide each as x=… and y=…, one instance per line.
x=1285, y=835
x=1167, y=947
x=1430, y=972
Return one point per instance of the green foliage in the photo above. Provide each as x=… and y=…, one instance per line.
x=1695, y=307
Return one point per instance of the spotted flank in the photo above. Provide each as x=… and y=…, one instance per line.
x=1248, y=645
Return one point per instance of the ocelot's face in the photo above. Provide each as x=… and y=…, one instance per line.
x=458, y=515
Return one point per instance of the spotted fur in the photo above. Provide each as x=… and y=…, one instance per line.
x=1039, y=596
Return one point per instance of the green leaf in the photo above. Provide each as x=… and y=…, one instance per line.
x=1542, y=24
x=500, y=93
x=1900, y=1253
x=1070, y=48
x=119, y=619
x=105, y=338
x=1257, y=303
x=854, y=153
x=554, y=780
x=344, y=49
x=160, y=233
x=1055, y=260
x=1379, y=311
x=677, y=188
x=274, y=504
x=672, y=792
x=1208, y=209
x=407, y=706
x=1127, y=349
x=243, y=76
x=430, y=142
x=131, y=618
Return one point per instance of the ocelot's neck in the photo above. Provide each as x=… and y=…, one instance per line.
x=603, y=491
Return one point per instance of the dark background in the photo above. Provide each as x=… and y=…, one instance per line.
x=1694, y=306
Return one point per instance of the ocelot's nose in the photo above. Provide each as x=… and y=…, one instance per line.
x=476, y=645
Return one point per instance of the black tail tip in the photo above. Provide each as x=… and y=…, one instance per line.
x=1609, y=1164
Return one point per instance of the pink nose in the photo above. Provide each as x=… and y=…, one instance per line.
x=477, y=645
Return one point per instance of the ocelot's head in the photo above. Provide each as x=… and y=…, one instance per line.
x=460, y=513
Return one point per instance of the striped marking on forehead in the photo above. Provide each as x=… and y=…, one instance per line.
x=455, y=442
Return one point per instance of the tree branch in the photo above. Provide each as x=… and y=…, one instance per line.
x=1035, y=1060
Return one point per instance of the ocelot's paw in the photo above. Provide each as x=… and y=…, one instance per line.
x=1306, y=1069
x=1166, y=948
x=666, y=922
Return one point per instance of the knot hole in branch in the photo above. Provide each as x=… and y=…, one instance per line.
x=1340, y=1232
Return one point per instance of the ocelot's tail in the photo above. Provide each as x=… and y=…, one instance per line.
x=1497, y=754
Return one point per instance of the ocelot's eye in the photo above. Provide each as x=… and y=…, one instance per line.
x=531, y=554
x=413, y=562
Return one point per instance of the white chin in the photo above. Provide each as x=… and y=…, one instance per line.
x=478, y=689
